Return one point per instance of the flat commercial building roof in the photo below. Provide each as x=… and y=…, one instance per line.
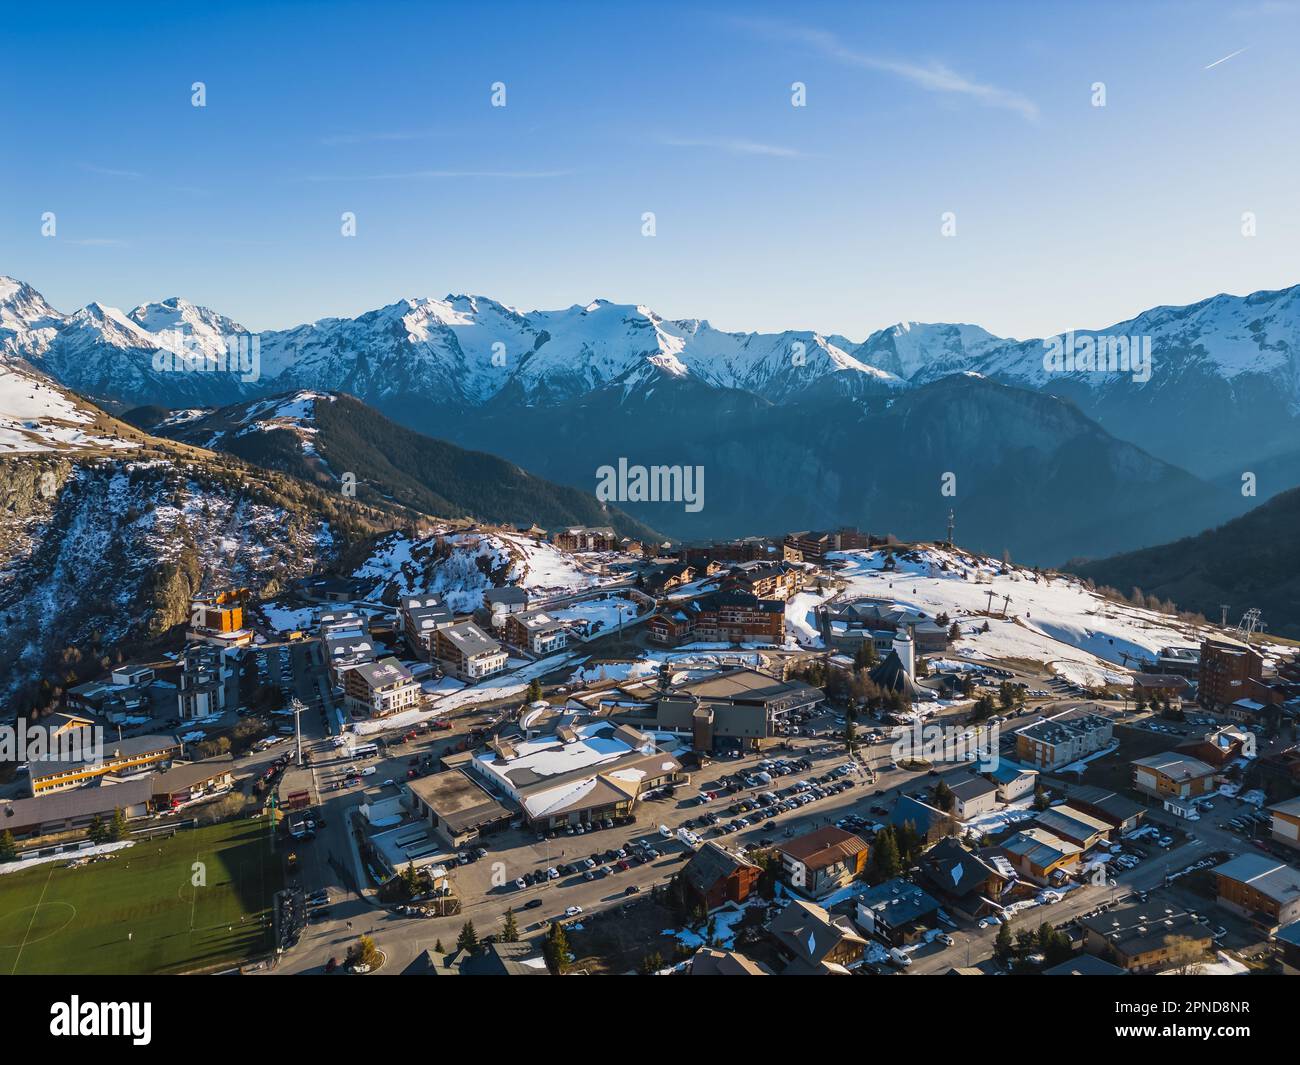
x=458, y=800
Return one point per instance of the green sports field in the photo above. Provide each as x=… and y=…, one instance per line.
x=139, y=911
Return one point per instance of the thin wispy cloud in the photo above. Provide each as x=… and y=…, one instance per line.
x=733, y=146
x=1231, y=55
x=932, y=76
x=435, y=175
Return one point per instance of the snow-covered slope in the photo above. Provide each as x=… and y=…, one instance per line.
x=37, y=416
x=460, y=567
x=1049, y=618
x=1229, y=362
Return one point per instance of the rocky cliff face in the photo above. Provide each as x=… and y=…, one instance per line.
x=103, y=554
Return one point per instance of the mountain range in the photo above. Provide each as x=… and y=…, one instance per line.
x=793, y=429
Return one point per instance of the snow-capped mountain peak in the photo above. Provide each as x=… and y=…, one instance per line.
x=465, y=351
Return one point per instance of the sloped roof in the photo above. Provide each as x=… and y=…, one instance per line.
x=891, y=676
x=710, y=962
x=75, y=802
x=823, y=847
x=921, y=815
x=807, y=931
x=712, y=863
x=1175, y=766
x=954, y=870
x=1271, y=878
x=898, y=902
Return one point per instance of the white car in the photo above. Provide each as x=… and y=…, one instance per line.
x=573, y=911
x=945, y=939
x=390, y=782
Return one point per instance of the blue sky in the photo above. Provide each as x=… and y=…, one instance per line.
x=768, y=216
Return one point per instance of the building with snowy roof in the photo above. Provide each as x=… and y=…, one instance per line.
x=576, y=773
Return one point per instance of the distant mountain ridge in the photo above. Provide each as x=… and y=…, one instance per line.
x=1223, y=398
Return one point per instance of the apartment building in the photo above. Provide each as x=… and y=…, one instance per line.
x=1172, y=776
x=1057, y=741
x=1226, y=670
x=535, y=631
x=120, y=757
x=721, y=617
x=579, y=538
x=204, y=682
x=421, y=616
x=815, y=546
x=1144, y=938
x=1261, y=888
x=468, y=653
x=377, y=689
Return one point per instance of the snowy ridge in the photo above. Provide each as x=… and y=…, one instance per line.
x=466, y=349
x=1233, y=359
x=1224, y=336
